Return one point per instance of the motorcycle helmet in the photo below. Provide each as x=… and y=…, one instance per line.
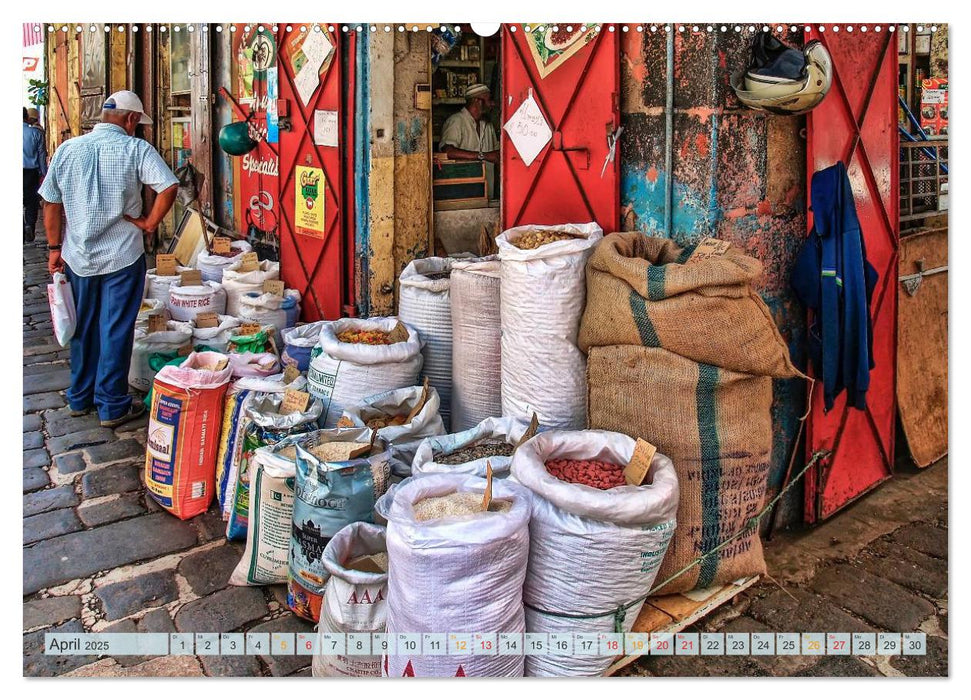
x=783, y=80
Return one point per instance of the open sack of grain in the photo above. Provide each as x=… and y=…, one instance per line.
x=542, y=296
x=682, y=352
x=157, y=286
x=361, y=357
x=175, y=336
x=399, y=415
x=457, y=571
x=476, y=342
x=593, y=550
x=212, y=265
x=493, y=441
x=237, y=283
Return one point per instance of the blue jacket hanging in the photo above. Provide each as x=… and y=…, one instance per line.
x=833, y=278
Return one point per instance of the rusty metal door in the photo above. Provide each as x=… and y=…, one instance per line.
x=310, y=142
x=857, y=123
x=573, y=73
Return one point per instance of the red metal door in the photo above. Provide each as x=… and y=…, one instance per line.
x=857, y=123
x=576, y=87
x=311, y=138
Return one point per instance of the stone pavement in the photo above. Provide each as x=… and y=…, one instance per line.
x=99, y=555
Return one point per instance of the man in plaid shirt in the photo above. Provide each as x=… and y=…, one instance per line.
x=94, y=182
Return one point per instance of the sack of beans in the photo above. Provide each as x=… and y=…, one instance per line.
x=493, y=441
x=212, y=265
x=298, y=342
x=185, y=303
x=216, y=337
x=340, y=474
x=356, y=598
x=399, y=415
x=157, y=286
x=596, y=544
x=476, y=342
x=682, y=352
x=175, y=336
x=456, y=568
x=542, y=296
x=237, y=283
x=361, y=357
x=423, y=303
x=265, y=425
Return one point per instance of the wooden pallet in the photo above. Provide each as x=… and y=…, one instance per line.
x=672, y=613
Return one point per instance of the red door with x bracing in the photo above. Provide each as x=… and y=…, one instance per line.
x=857, y=124
x=311, y=137
x=572, y=72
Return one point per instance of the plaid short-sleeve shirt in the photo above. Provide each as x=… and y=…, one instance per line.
x=98, y=178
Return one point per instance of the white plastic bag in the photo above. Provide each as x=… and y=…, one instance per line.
x=216, y=337
x=457, y=574
x=185, y=303
x=150, y=307
x=157, y=286
x=354, y=600
x=423, y=303
x=476, y=342
x=298, y=343
x=237, y=283
x=141, y=374
x=266, y=309
x=508, y=430
x=592, y=552
x=63, y=313
x=212, y=266
x=542, y=294
x=345, y=373
x=397, y=402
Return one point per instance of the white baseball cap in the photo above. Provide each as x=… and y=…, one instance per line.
x=127, y=100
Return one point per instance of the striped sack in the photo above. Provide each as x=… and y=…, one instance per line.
x=683, y=355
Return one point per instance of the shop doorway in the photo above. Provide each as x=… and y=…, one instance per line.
x=465, y=189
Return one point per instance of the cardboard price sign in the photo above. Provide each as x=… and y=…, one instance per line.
x=487, y=496
x=185, y=350
x=530, y=431
x=249, y=262
x=157, y=323
x=274, y=287
x=421, y=403
x=221, y=245
x=207, y=319
x=294, y=402
x=290, y=374
x=165, y=265
x=248, y=329
x=708, y=248
x=640, y=463
x=398, y=334
x=191, y=278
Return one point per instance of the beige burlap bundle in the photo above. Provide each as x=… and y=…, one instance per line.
x=682, y=354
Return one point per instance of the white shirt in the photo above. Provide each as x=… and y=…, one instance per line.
x=461, y=130
x=98, y=178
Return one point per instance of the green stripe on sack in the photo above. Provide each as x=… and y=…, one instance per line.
x=645, y=328
x=655, y=282
x=710, y=470
x=685, y=254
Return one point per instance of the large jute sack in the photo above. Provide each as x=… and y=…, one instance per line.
x=476, y=342
x=700, y=388
x=591, y=552
x=345, y=373
x=237, y=283
x=140, y=372
x=461, y=573
x=185, y=303
x=542, y=296
x=423, y=303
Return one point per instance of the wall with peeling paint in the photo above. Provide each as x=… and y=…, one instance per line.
x=738, y=175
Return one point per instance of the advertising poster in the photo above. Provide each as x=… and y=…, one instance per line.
x=308, y=209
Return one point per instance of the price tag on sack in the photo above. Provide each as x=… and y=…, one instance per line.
x=294, y=402
x=191, y=278
x=157, y=323
x=221, y=245
x=249, y=262
x=165, y=265
x=274, y=287
x=248, y=329
x=640, y=463
x=421, y=403
x=185, y=350
x=708, y=248
x=487, y=496
x=290, y=374
x=398, y=334
x=530, y=431
x=207, y=319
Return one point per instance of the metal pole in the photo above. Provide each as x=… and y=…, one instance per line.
x=669, y=135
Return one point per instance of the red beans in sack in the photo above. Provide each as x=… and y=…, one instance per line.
x=589, y=472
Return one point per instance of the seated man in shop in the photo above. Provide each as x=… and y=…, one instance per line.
x=468, y=134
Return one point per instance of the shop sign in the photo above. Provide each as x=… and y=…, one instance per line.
x=308, y=209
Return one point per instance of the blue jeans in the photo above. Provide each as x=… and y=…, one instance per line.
x=107, y=307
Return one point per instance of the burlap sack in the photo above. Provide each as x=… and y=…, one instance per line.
x=683, y=355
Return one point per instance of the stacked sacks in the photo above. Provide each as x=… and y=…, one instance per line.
x=476, y=342
x=169, y=341
x=682, y=353
x=344, y=373
x=185, y=303
x=237, y=283
x=423, y=303
x=458, y=573
x=542, y=295
x=298, y=343
x=593, y=552
x=212, y=265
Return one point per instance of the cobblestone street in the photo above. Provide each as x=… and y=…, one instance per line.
x=100, y=556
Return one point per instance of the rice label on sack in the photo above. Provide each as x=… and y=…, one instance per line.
x=221, y=245
x=165, y=265
x=191, y=278
x=640, y=463
x=708, y=248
